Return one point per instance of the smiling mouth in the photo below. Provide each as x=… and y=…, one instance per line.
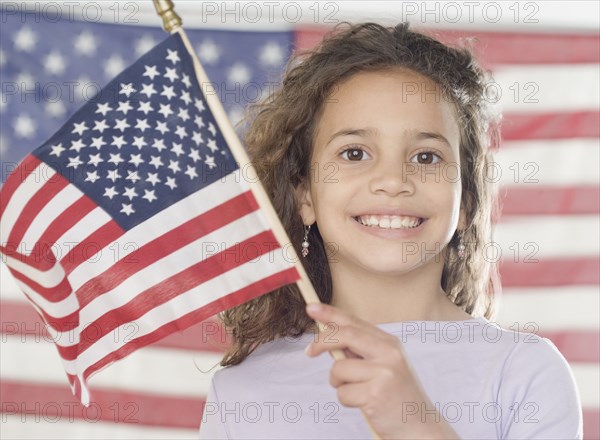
x=389, y=221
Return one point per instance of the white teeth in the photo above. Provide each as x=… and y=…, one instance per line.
x=389, y=221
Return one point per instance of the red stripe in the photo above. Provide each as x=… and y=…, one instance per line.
x=23, y=170
x=540, y=200
x=526, y=126
x=494, y=48
x=33, y=206
x=166, y=244
x=233, y=299
x=174, y=285
x=576, y=345
x=52, y=403
x=555, y=272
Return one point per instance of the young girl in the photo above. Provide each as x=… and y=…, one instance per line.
x=374, y=153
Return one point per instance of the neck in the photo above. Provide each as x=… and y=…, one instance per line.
x=377, y=298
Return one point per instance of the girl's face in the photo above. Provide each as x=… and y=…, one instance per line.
x=385, y=185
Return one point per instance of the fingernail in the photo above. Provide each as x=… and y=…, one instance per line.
x=307, y=349
x=313, y=307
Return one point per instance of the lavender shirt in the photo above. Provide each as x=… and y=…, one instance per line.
x=487, y=382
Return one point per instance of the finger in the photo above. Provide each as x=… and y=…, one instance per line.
x=361, y=343
x=346, y=371
x=353, y=395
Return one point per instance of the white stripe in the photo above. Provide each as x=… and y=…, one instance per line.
x=531, y=164
x=44, y=425
x=177, y=214
x=181, y=305
x=90, y=223
x=34, y=359
x=25, y=191
x=55, y=207
x=9, y=289
x=587, y=377
x=550, y=308
x=48, y=278
x=545, y=88
x=529, y=239
x=57, y=309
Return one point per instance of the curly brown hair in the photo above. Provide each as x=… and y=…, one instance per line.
x=280, y=142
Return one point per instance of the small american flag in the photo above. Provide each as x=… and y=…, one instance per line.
x=134, y=220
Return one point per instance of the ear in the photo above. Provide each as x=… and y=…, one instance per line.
x=305, y=203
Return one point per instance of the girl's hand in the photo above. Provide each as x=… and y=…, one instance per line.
x=376, y=377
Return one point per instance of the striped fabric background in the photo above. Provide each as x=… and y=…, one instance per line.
x=548, y=240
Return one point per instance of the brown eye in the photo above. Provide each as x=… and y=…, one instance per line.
x=354, y=154
x=427, y=158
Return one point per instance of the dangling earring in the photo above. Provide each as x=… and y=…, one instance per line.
x=461, y=246
x=305, y=243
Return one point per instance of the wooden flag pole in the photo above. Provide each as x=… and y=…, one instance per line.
x=172, y=23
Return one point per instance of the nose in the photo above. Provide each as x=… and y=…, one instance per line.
x=393, y=178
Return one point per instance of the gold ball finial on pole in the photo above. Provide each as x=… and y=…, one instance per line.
x=165, y=8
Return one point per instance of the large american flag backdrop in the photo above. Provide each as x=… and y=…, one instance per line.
x=547, y=238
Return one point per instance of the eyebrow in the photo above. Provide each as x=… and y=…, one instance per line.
x=370, y=132
x=426, y=135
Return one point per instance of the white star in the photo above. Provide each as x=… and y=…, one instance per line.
x=124, y=106
x=100, y=125
x=25, y=39
x=153, y=178
x=171, y=182
x=113, y=66
x=168, y=92
x=209, y=52
x=185, y=97
x=195, y=155
x=144, y=44
x=116, y=158
x=159, y=144
x=186, y=80
x=149, y=195
x=199, y=121
x=165, y=110
x=197, y=138
x=97, y=142
x=210, y=162
x=127, y=209
x=121, y=124
x=148, y=90
x=181, y=132
x=139, y=142
x=199, y=104
x=162, y=127
x=239, y=74
x=145, y=107
x=136, y=159
x=271, y=54
x=174, y=166
x=191, y=171
x=25, y=80
x=74, y=162
x=173, y=56
x=150, y=72
x=118, y=141
x=156, y=162
x=133, y=176
x=77, y=145
x=95, y=159
x=171, y=74
x=56, y=109
x=110, y=192
x=24, y=126
x=79, y=128
x=54, y=63
x=212, y=144
x=177, y=149
x=57, y=150
x=183, y=114
x=92, y=176
x=127, y=89
x=85, y=44
x=212, y=129
x=142, y=124
x=113, y=175
x=103, y=108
